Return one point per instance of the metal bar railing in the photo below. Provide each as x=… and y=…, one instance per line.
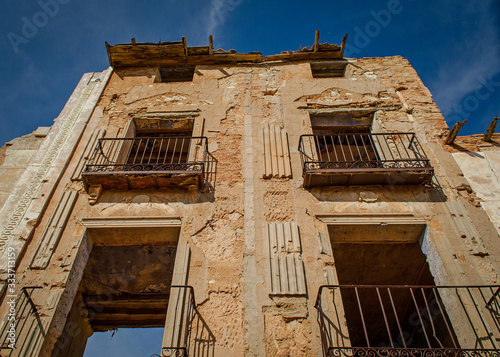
x=410, y=319
x=493, y=305
x=191, y=331
x=149, y=155
x=23, y=328
x=362, y=150
x=184, y=313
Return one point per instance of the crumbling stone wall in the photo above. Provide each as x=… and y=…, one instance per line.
x=13, y=158
x=225, y=223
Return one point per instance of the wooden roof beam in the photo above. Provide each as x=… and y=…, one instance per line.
x=296, y=56
x=210, y=45
x=452, y=135
x=491, y=130
x=342, y=49
x=109, y=53
x=184, y=44
x=316, y=42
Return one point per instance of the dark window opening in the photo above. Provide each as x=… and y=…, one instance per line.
x=176, y=74
x=343, y=138
x=328, y=69
x=161, y=142
x=344, y=122
x=163, y=148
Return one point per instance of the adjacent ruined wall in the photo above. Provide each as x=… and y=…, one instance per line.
x=14, y=156
x=226, y=224
x=480, y=164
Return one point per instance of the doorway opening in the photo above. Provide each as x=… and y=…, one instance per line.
x=126, y=286
x=387, y=290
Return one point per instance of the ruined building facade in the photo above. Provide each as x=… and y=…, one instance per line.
x=301, y=204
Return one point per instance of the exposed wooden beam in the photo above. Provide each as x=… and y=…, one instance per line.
x=184, y=44
x=452, y=135
x=109, y=54
x=316, y=42
x=491, y=130
x=178, y=52
x=210, y=45
x=201, y=50
x=342, y=49
x=173, y=60
x=296, y=56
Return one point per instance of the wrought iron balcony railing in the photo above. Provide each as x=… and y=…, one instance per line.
x=144, y=162
x=191, y=335
x=363, y=158
x=396, y=320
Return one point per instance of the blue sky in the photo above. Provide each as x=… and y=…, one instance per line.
x=453, y=44
x=47, y=45
x=127, y=342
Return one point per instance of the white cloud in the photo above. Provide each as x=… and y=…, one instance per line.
x=476, y=59
x=218, y=13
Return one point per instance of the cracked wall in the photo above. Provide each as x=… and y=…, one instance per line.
x=224, y=223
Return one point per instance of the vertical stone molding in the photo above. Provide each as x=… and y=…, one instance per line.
x=286, y=268
x=73, y=120
x=276, y=152
x=324, y=243
x=53, y=230
x=30, y=327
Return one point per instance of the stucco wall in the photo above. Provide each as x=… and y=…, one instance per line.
x=225, y=223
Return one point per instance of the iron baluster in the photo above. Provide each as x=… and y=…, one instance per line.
x=432, y=331
x=385, y=317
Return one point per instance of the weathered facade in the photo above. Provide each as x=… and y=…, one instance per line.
x=253, y=206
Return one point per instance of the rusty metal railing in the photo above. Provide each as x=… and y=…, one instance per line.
x=191, y=334
x=184, y=313
x=353, y=151
x=403, y=320
x=149, y=155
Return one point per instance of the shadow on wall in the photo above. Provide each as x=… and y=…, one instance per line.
x=202, y=339
x=401, y=193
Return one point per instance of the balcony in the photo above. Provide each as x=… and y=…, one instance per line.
x=148, y=162
x=342, y=159
x=397, y=320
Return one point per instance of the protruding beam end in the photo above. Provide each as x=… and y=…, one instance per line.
x=491, y=130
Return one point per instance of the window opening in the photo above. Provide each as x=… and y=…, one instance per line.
x=171, y=147
x=160, y=141
x=344, y=138
x=176, y=74
x=328, y=69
